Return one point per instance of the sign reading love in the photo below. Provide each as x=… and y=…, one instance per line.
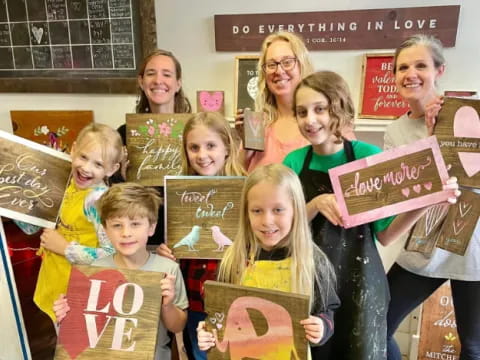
x=114, y=313
x=210, y=101
x=458, y=133
x=396, y=181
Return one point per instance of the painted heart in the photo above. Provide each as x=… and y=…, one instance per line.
x=219, y=326
x=37, y=34
x=417, y=188
x=73, y=333
x=434, y=216
x=458, y=226
x=466, y=123
x=254, y=122
x=211, y=101
x=220, y=316
x=464, y=208
x=406, y=191
x=428, y=185
x=252, y=87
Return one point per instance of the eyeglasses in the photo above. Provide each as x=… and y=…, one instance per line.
x=287, y=64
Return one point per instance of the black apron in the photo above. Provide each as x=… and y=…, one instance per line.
x=360, y=322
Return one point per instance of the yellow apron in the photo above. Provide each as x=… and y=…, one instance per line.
x=55, y=270
x=266, y=274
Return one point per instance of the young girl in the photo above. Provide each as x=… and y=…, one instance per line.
x=418, y=64
x=209, y=148
x=273, y=249
x=79, y=237
x=323, y=107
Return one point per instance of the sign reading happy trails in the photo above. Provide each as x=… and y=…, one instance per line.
x=395, y=181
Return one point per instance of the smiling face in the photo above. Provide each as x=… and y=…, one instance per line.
x=270, y=212
x=159, y=83
x=206, y=151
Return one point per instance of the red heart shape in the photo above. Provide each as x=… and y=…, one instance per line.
x=211, y=101
x=73, y=332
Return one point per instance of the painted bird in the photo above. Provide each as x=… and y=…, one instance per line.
x=191, y=239
x=220, y=238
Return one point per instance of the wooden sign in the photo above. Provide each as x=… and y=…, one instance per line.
x=202, y=214
x=56, y=129
x=395, y=181
x=246, y=82
x=154, y=144
x=33, y=179
x=379, y=98
x=458, y=133
x=114, y=314
x=339, y=30
x=211, y=101
x=253, y=131
x=255, y=323
x=14, y=341
x=460, y=223
x=438, y=332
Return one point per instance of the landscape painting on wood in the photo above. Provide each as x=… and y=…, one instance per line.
x=114, y=314
x=252, y=323
x=154, y=146
x=202, y=214
x=33, y=179
x=395, y=181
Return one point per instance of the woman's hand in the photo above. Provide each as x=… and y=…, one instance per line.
x=205, y=339
x=164, y=250
x=431, y=112
x=452, y=186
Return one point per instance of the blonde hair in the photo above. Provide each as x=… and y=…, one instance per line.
x=129, y=199
x=265, y=101
x=340, y=103
x=217, y=123
x=106, y=138
x=310, y=267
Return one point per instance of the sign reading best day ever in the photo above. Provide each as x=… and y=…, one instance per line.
x=395, y=181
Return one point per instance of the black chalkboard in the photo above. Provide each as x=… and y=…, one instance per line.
x=74, y=40
x=246, y=78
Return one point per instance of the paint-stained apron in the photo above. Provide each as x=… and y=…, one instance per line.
x=360, y=322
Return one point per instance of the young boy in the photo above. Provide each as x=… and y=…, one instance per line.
x=129, y=214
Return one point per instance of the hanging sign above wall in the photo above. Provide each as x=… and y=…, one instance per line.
x=339, y=30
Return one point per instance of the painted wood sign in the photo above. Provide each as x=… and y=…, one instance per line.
x=33, y=179
x=56, y=129
x=254, y=323
x=246, y=81
x=211, y=101
x=460, y=223
x=458, y=133
x=114, y=314
x=253, y=131
x=154, y=146
x=202, y=214
x=438, y=332
x=395, y=181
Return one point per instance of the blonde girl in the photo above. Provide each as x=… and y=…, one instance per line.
x=273, y=249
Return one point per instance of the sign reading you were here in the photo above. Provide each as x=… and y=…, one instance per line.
x=114, y=314
x=202, y=214
x=253, y=323
x=154, y=146
x=339, y=30
x=33, y=179
x=395, y=181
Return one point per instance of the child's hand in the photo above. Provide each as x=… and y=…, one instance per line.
x=326, y=204
x=431, y=111
x=452, y=186
x=168, y=289
x=313, y=329
x=61, y=308
x=205, y=339
x=52, y=240
x=124, y=162
x=164, y=250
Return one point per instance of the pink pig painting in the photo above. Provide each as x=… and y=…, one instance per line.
x=211, y=101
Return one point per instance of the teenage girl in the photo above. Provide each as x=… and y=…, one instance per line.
x=418, y=64
x=273, y=249
x=79, y=237
x=210, y=148
x=323, y=107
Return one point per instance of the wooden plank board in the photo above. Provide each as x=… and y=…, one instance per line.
x=114, y=314
x=253, y=131
x=395, y=181
x=202, y=214
x=255, y=323
x=154, y=146
x=33, y=179
x=211, y=101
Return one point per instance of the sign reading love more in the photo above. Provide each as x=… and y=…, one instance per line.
x=458, y=133
x=253, y=131
x=154, y=146
x=114, y=314
x=255, y=323
x=202, y=214
x=210, y=101
x=33, y=179
x=396, y=181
